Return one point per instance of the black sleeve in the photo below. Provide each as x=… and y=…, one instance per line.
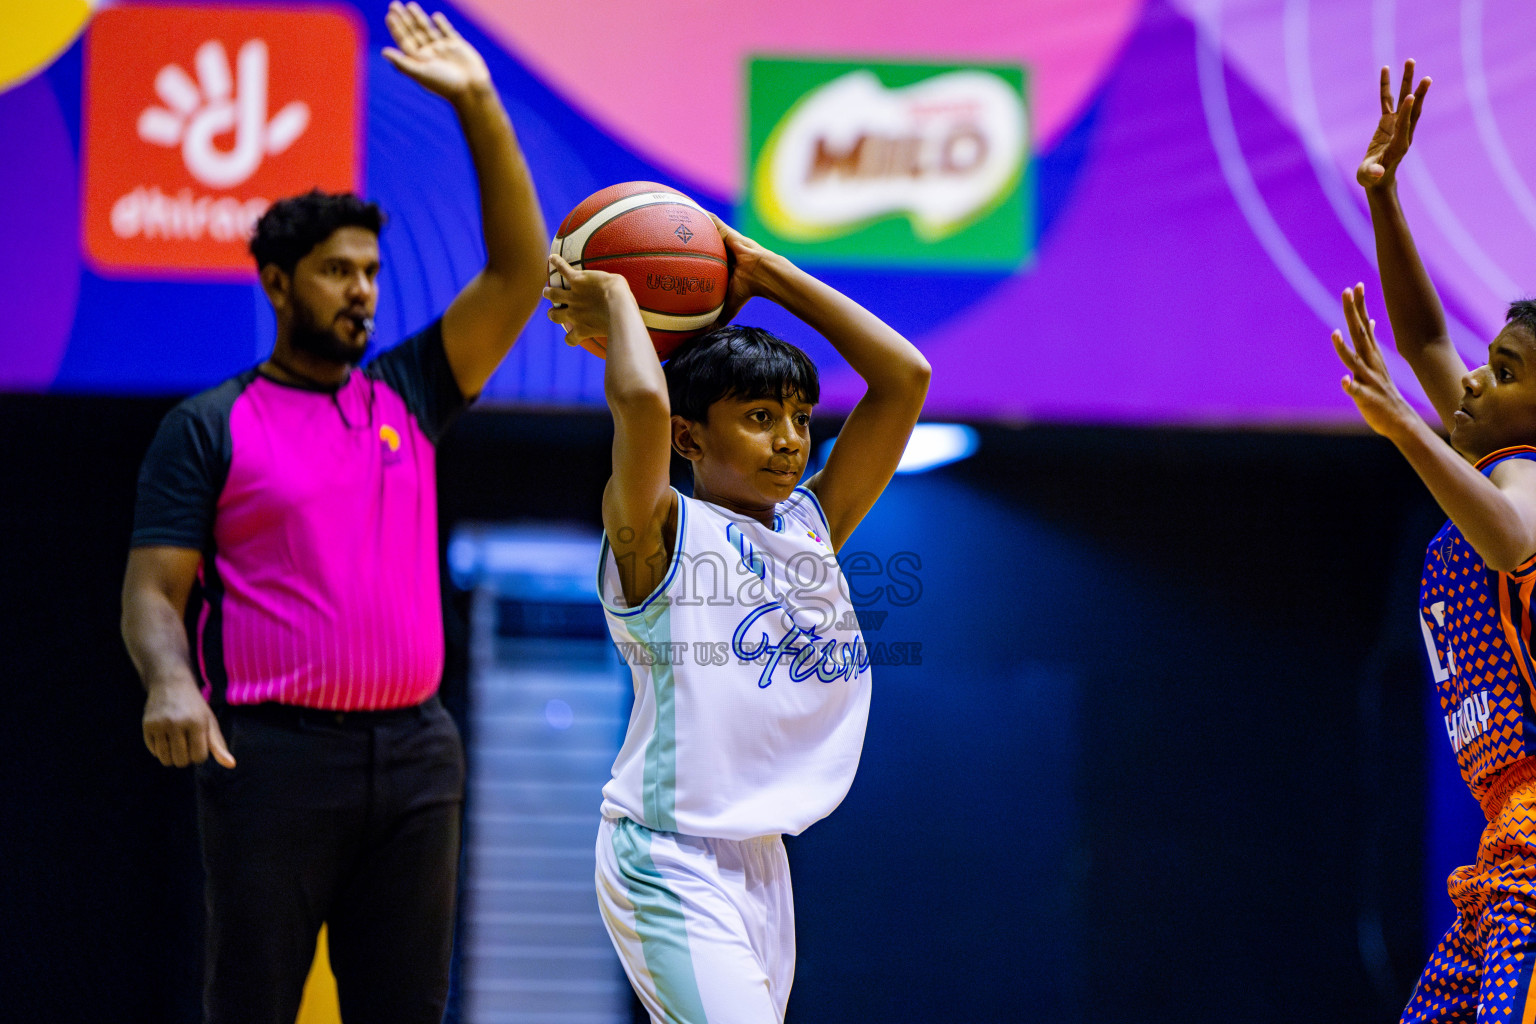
x=183, y=475
x=418, y=370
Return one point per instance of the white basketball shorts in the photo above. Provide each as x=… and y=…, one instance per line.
x=705, y=927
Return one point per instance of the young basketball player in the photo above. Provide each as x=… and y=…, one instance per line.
x=1476, y=598
x=752, y=691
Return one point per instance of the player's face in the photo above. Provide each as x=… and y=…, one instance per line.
x=752, y=452
x=1498, y=402
x=335, y=286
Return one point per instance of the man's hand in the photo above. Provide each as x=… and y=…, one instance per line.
x=483, y=320
x=745, y=262
x=180, y=729
x=1368, y=382
x=1394, y=134
x=433, y=53
x=584, y=307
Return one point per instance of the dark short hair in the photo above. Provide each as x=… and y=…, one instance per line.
x=737, y=362
x=292, y=227
x=1522, y=313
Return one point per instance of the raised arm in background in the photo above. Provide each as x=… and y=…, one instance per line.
x=485, y=318
x=1413, y=307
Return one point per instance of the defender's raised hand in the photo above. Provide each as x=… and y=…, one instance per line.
x=1394, y=133
x=1368, y=381
x=433, y=53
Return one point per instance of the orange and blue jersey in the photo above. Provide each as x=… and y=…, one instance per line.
x=1477, y=628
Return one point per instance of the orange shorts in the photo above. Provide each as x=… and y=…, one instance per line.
x=1482, y=968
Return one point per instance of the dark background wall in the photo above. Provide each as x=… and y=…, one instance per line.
x=1164, y=758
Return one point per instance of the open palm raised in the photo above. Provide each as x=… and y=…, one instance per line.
x=432, y=52
x=1394, y=133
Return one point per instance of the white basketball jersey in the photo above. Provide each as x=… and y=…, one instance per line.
x=751, y=677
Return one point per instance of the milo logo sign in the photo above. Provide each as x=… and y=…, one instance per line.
x=900, y=164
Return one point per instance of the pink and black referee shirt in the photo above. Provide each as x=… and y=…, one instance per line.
x=316, y=515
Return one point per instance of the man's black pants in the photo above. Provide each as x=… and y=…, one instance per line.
x=348, y=819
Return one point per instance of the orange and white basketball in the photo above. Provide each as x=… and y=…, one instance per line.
x=663, y=244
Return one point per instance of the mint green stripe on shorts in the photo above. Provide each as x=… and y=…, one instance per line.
x=660, y=925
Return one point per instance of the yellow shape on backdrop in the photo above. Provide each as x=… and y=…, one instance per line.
x=36, y=32
x=320, y=1005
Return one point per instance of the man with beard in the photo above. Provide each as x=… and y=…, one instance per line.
x=300, y=495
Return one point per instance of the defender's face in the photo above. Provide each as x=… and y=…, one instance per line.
x=1498, y=404
x=752, y=452
x=335, y=286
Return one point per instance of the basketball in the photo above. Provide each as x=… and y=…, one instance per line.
x=663, y=244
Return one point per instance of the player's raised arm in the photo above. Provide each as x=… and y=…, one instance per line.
x=1496, y=514
x=1418, y=321
x=484, y=319
x=872, y=440
x=638, y=502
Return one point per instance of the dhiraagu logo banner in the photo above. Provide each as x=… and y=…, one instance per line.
x=890, y=164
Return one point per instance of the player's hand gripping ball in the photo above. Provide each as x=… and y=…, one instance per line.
x=663, y=244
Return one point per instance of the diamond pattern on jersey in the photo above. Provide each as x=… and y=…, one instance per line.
x=1485, y=700
x=1482, y=968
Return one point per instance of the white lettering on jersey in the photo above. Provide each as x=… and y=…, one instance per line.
x=1442, y=669
x=1469, y=721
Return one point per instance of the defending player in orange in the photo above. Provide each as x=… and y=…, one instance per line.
x=1476, y=599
